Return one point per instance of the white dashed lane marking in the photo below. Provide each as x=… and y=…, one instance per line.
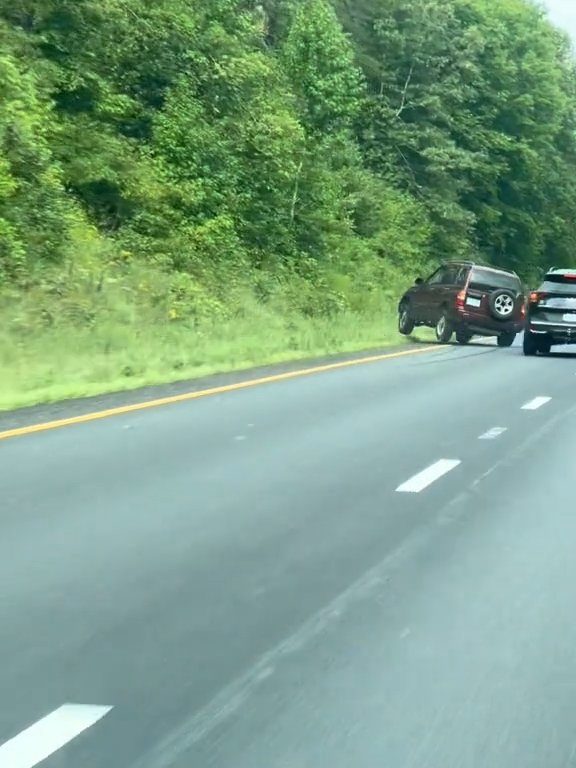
x=428, y=476
x=493, y=434
x=48, y=735
x=538, y=402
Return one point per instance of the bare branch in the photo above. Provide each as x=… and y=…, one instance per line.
x=296, y=193
x=416, y=188
x=404, y=99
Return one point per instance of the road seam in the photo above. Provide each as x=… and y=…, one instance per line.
x=430, y=475
x=196, y=395
x=48, y=735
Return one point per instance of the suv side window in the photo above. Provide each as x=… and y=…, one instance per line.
x=438, y=277
x=450, y=274
x=462, y=276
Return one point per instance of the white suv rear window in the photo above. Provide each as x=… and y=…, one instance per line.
x=559, y=284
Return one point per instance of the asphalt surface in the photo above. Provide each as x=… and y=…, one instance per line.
x=240, y=580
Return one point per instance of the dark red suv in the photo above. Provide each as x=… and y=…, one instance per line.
x=466, y=299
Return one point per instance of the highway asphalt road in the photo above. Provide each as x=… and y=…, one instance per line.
x=372, y=566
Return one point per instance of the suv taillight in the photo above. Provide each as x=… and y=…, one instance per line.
x=536, y=297
x=461, y=299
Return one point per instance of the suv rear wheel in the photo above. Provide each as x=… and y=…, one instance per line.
x=444, y=328
x=463, y=337
x=506, y=339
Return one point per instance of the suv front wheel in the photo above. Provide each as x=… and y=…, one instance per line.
x=444, y=328
x=405, y=320
x=532, y=344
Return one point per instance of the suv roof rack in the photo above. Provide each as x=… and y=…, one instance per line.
x=491, y=267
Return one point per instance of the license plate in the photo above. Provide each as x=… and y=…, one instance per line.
x=471, y=302
x=570, y=318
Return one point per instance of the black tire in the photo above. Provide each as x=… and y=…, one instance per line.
x=405, y=320
x=502, y=304
x=506, y=339
x=463, y=337
x=545, y=347
x=444, y=328
x=530, y=344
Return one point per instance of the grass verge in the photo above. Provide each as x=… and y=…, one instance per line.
x=60, y=364
x=75, y=337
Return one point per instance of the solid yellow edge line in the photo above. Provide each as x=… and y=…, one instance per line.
x=248, y=383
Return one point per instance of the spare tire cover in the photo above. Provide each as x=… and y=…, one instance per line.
x=502, y=304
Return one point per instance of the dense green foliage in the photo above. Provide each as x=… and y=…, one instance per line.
x=302, y=152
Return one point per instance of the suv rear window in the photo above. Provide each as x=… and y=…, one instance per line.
x=559, y=284
x=486, y=278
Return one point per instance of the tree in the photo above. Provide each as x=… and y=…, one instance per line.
x=34, y=214
x=319, y=61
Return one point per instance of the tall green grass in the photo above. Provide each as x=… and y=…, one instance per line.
x=84, y=331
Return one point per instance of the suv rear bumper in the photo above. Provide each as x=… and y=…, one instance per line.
x=557, y=331
x=486, y=326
